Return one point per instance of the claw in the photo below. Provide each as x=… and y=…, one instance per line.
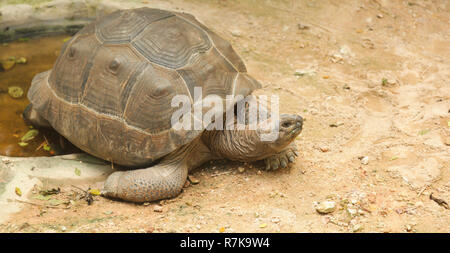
x=291, y=159
x=275, y=166
x=295, y=153
x=283, y=164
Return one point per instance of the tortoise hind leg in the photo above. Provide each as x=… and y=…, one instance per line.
x=32, y=117
x=163, y=180
x=144, y=185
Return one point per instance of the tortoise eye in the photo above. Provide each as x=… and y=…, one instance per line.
x=114, y=65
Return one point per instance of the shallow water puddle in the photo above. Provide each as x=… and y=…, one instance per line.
x=40, y=55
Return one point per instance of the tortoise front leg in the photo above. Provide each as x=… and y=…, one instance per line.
x=282, y=159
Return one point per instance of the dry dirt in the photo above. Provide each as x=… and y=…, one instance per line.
x=372, y=80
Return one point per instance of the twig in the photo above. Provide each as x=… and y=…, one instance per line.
x=37, y=204
x=421, y=191
x=79, y=188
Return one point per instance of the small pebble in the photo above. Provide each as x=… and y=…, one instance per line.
x=365, y=160
x=324, y=149
x=158, y=209
x=241, y=169
x=275, y=220
x=325, y=207
x=236, y=33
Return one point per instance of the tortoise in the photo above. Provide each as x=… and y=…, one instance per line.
x=109, y=93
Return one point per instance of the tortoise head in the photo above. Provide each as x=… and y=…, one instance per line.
x=290, y=126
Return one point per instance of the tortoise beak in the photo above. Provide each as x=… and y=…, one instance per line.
x=291, y=124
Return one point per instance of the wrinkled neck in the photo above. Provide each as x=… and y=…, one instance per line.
x=236, y=145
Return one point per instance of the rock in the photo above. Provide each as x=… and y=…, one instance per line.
x=356, y=228
x=303, y=72
x=408, y=228
x=380, y=16
x=365, y=160
x=158, y=209
x=352, y=211
x=302, y=26
x=326, y=207
x=324, y=149
x=236, y=33
x=275, y=220
x=16, y=12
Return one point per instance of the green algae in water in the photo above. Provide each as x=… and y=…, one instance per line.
x=15, y=91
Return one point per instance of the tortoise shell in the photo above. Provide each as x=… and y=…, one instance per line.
x=110, y=90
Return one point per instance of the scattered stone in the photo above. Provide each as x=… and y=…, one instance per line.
x=324, y=149
x=241, y=169
x=356, y=228
x=63, y=228
x=302, y=26
x=408, y=228
x=337, y=58
x=326, y=207
x=158, y=209
x=352, y=211
x=337, y=124
x=303, y=72
x=364, y=160
x=236, y=33
x=380, y=16
x=275, y=220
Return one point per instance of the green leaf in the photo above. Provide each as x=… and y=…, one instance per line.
x=42, y=197
x=29, y=135
x=47, y=147
x=77, y=172
x=23, y=144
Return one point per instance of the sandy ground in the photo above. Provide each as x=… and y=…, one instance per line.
x=371, y=80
